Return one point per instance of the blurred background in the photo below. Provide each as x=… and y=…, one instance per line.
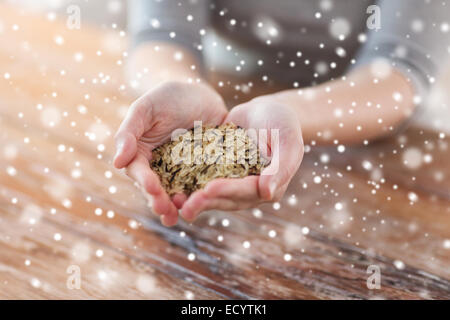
x=66, y=213
x=114, y=12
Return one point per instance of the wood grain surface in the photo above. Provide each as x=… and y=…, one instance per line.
x=62, y=96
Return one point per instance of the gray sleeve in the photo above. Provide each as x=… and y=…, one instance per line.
x=414, y=36
x=177, y=21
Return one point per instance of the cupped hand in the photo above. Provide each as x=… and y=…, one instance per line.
x=150, y=122
x=287, y=153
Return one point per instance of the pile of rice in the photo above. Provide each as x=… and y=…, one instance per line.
x=190, y=161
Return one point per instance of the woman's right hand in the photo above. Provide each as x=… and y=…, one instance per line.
x=150, y=121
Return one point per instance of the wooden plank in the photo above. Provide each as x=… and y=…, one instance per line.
x=34, y=265
x=315, y=256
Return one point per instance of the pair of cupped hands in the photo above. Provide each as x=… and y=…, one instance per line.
x=153, y=117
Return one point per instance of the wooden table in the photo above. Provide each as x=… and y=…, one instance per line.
x=63, y=206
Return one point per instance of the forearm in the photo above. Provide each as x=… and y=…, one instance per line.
x=353, y=109
x=155, y=62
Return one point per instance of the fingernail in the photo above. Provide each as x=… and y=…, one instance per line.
x=163, y=221
x=272, y=188
x=149, y=201
x=119, y=149
x=185, y=217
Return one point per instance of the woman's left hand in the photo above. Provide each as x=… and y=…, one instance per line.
x=234, y=194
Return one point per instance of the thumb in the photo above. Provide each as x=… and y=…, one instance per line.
x=287, y=154
x=131, y=129
x=126, y=149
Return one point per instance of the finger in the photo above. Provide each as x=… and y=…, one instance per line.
x=244, y=189
x=280, y=191
x=179, y=199
x=169, y=220
x=132, y=128
x=126, y=148
x=139, y=170
x=286, y=156
x=237, y=116
x=198, y=202
x=163, y=206
x=193, y=205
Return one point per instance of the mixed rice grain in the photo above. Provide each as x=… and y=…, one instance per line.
x=202, y=154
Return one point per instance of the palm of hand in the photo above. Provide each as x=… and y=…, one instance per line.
x=234, y=194
x=150, y=122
